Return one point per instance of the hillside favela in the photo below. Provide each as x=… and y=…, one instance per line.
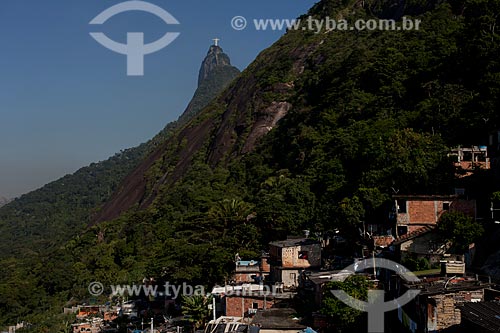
x=276, y=166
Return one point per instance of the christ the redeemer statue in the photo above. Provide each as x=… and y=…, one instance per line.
x=216, y=41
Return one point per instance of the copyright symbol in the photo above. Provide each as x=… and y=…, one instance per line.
x=96, y=288
x=239, y=23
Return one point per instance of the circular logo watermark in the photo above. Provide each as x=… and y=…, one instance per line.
x=135, y=49
x=239, y=23
x=376, y=306
x=96, y=288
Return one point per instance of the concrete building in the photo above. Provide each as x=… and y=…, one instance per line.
x=312, y=284
x=244, y=300
x=251, y=271
x=88, y=327
x=247, y=271
x=414, y=212
x=289, y=258
x=470, y=159
x=247, y=305
x=437, y=307
x=421, y=243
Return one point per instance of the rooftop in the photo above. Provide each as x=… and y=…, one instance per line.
x=471, y=148
x=438, y=286
x=247, y=288
x=226, y=324
x=247, y=263
x=279, y=319
x=294, y=242
x=324, y=277
x=411, y=235
x=424, y=197
x=484, y=314
x=255, y=291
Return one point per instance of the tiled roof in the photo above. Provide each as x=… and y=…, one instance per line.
x=414, y=234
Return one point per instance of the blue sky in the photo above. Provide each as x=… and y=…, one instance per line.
x=66, y=101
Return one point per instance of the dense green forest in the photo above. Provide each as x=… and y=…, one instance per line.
x=372, y=111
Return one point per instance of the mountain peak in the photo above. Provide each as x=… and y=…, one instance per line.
x=215, y=58
x=216, y=73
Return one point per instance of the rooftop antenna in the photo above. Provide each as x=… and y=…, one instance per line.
x=216, y=41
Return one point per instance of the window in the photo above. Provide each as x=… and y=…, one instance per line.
x=401, y=206
x=402, y=230
x=303, y=255
x=446, y=206
x=468, y=156
x=255, y=305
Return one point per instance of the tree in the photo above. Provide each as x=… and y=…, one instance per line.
x=230, y=213
x=343, y=317
x=460, y=229
x=195, y=308
x=495, y=197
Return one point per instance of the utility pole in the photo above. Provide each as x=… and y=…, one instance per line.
x=213, y=308
x=374, y=262
x=374, y=248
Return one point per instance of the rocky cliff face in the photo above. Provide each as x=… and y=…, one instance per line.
x=215, y=59
x=215, y=74
x=229, y=127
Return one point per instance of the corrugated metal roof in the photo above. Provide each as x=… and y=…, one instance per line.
x=484, y=314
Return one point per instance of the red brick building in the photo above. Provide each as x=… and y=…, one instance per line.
x=417, y=211
x=243, y=306
x=245, y=300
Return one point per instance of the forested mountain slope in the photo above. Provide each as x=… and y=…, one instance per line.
x=46, y=218
x=316, y=134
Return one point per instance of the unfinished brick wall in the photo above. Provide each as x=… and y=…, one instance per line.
x=244, y=277
x=291, y=256
x=264, y=265
x=447, y=312
x=234, y=305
